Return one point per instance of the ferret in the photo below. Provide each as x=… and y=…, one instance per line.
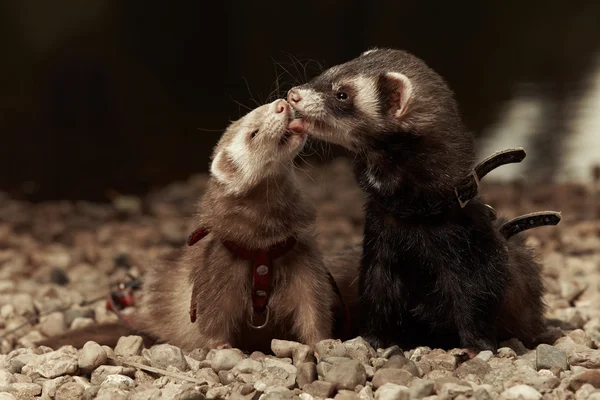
x=227, y=290
x=430, y=274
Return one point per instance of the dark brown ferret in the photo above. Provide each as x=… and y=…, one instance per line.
x=253, y=201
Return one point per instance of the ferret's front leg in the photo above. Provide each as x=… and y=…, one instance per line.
x=313, y=320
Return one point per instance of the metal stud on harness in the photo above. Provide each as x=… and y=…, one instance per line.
x=467, y=190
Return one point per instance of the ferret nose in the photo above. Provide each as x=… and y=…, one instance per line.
x=281, y=106
x=293, y=96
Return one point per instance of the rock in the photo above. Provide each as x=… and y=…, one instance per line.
x=521, y=392
x=346, y=395
x=515, y=345
x=347, y=375
x=366, y=393
x=150, y=394
x=55, y=364
x=226, y=359
x=283, y=348
x=400, y=362
x=50, y=386
x=391, y=391
x=587, y=358
x=80, y=322
x=392, y=375
x=485, y=355
x=53, y=324
x=164, y=355
x=7, y=396
x=584, y=392
x=25, y=390
x=439, y=359
x=307, y=373
x=392, y=351
x=303, y=353
x=129, y=346
x=99, y=375
x=6, y=378
x=591, y=377
x=73, y=313
x=23, y=304
x=484, y=392
x=92, y=356
x=120, y=381
x=275, y=373
x=450, y=387
x=198, y=354
x=331, y=347
x=506, y=352
x=320, y=389
x=474, y=366
x=421, y=388
x=69, y=391
x=248, y=366
x=359, y=349
x=550, y=356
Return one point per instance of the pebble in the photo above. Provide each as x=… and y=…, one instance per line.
x=70, y=391
x=549, y=356
x=421, y=388
x=307, y=373
x=347, y=375
x=331, y=347
x=580, y=379
x=391, y=391
x=485, y=355
x=392, y=375
x=25, y=390
x=53, y=324
x=321, y=389
x=81, y=322
x=128, y=346
x=475, y=366
x=226, y=359
x=92, y=356
x=164, y=355
x=359, y=349
x=521, y=392
x=54, y=364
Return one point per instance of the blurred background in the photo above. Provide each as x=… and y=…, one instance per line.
x=125, y=96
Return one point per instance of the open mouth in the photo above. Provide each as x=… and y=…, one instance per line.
x=286, y=136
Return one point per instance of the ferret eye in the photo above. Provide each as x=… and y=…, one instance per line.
x=341, y=95
x=253, y=134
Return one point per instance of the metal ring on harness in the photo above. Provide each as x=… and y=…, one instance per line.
x=251, y=320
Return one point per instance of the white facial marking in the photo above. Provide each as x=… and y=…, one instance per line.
x=216, y=171
x=366, y=98
x=406, y=91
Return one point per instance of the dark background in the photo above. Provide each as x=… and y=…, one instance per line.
x=124, y=95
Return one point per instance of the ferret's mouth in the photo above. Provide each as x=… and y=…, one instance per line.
x=287, y=134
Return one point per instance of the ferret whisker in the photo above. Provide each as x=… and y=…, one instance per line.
x=296, y=81
x=250, y=92
x=240, y=104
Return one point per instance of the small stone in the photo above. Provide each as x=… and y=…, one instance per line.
x=149, y=393
x=588, y=358
x=485, y=355
x=439, y=359
x=6, y=378
x=53, y=324
x=506, y=352
x=366, y=393
x=392, y=375
x=120, y=381
x=164, y=355
x=283, y=348
x=484, y=392
x=320, y=389
x=451, y=387
x=331, y=347
x=347, y=375
x=99, y=375
x=92, y=356
x=421, y=388
x=56, y=363
x=514, y=344
x=303, y=353
x=400, y=362
x=584, y=392
x=7, y=396
x=198, y=354
x=346, y=395
x=521, y=392
x=307, y=373
x=80, y=322
x=226, y=359
x=248, y=366
x=128, y=346
x=50, y=386
x=73, y=313
x=359, y=349
x=392, y=351
x=59, y=276
x=391, y=391
x=25, y=390
x=591, y=377
x=474, y=366
x=69, y=391
x=549, y=356
x=23, y=304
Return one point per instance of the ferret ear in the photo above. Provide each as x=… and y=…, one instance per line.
x=400, y=92
x=222, y=167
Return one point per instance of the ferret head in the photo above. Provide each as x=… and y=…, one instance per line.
x=257, y=146
x=381, y=92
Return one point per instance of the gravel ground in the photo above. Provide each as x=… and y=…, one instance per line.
x=56, y=258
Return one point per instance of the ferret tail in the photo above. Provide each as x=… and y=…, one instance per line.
x=107, y=334
x=529, y=221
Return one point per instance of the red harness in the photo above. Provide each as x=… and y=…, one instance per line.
x=261, y=261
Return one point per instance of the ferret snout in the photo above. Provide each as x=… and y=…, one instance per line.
x=293, y=96
x=281, y=106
